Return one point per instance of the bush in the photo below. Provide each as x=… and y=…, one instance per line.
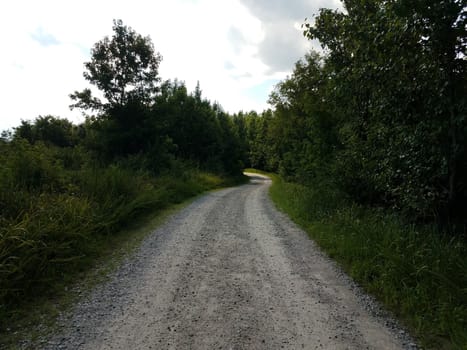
x=54, y=217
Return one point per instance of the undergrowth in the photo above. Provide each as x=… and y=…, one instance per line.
x=418, y=273
x=58, y=210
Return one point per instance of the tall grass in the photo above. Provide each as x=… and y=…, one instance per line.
x=55, y=215
x=416, y=272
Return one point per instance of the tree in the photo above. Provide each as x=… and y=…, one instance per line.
x=124, y=67
x=303, y=128
x=396, y=86
x=48, y=129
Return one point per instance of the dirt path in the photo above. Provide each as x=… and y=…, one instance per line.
x=228, y=272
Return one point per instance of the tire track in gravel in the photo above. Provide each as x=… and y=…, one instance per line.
x=229, y=272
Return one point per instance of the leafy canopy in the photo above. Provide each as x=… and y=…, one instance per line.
x=124, y=67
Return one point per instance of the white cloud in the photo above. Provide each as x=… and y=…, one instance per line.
x=226, y=45
x=283, y=42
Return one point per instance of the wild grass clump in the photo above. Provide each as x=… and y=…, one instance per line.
x=416, y=272
x=58, y=208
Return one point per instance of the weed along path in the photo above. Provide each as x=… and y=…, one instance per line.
x=228, y=272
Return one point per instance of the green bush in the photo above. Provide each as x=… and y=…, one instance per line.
x=57, y=209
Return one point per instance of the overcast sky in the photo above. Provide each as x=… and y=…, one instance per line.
x=237, y=49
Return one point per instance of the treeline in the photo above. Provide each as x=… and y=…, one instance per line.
x=177, y=127
x=66, y=189
x=381, y=114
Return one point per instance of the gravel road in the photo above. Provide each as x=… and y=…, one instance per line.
x=228, y=272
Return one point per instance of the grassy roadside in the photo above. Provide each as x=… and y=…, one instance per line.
x=31, y=320
x=417, y=273
x=97, y=249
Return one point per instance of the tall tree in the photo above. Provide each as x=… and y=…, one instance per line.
x=397, y=82
x=124, y=67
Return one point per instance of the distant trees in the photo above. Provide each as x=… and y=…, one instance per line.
x=144, y=118
x=50, y=130
x=201, y=132
x=141, y=122
x=383, y=114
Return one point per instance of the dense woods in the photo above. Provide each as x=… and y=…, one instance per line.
x=381, y=114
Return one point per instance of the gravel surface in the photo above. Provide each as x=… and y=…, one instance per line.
x=228, y=272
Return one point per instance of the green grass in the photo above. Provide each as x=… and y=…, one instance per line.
x=37, y=317
x=416, y=272
x=36, y=314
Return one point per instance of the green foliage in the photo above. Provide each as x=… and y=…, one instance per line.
x=201, y=132
x=382, y=114
x=53, y=219
x=257, y=141
x=151, y=129
x=399, y=88
x=417, y=273
x=124, y=67
x=50, y=130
